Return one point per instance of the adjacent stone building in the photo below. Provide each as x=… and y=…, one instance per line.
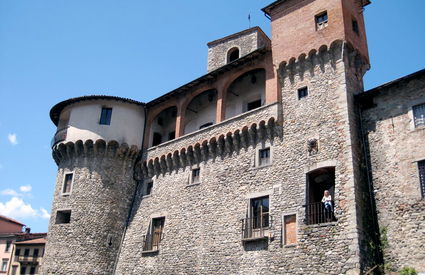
x=227, y=174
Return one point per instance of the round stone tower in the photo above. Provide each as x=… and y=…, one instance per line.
x=95, y=147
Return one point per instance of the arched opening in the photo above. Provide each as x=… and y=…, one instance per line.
x=246, y=93
x=163, y=127
x=232, y=54
x=201, y=111
x=318, y=181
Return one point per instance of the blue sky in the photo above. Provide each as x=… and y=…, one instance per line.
x=51, y=50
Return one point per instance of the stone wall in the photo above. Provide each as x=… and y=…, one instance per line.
x=100, y=199
x=202, y=233
x=395, y=146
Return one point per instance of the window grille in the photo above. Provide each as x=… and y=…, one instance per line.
x=321, y=20
x=421, y=168
x=264, y=156
x=419, y=115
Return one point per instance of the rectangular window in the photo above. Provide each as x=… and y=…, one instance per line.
x=253, y=105
x=105, y=116
x=260, y=212
x=290, y=229
x=264, y=157
x=32, y=270
x=355, y=26
x=302, y=92
x=196, y=175
x=419, y=115
x=35, y=253
x=421, y=168
x=67, y=183
x=63, y=216
x=8, y=245
x=4, y=265
x=17, y=252
x=154, y=236
x=321, y=20
x=26, y=252
x=23, y=269
x=148, y=188
x=14, y=269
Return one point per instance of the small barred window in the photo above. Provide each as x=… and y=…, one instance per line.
x=421, y=168
x=419, y=115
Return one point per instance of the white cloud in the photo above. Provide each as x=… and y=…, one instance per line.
x=44, y=213
x=9, y=192
x=17, y=208
x=25, y=188
x=12, y=139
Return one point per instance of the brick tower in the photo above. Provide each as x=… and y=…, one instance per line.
x=95, y=153
x=320, y=50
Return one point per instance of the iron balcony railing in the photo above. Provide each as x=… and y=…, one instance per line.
x=256, y=227
x=151, y=242
x=317, y=213
x=59, y=136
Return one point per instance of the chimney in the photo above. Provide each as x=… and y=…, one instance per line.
x=28, y=230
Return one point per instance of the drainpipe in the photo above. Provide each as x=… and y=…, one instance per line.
x=139, y=157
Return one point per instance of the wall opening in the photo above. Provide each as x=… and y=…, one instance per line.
x=163, y=127
x=319, y=209
x=63, y=216
x=232, y=54
x=246, y=93
x=200, y=112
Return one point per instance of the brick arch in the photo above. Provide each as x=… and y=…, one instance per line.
x=235, y=77
x=153, y=114
x=190, y=99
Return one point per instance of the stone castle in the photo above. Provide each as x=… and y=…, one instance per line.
x=227, y=174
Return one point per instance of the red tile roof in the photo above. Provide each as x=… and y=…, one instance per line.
x=34, y=241
x=10, y=220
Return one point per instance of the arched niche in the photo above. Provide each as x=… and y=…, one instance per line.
x=163, y=127
x=201, y=111
x=246, y=93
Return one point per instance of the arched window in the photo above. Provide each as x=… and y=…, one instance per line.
x=163, y=127
x=201, y=111
x=246, y=93
x=232, y=54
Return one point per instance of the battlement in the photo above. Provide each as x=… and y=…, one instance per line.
x=99, y=149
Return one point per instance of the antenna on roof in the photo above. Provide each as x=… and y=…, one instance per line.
x=249, y=20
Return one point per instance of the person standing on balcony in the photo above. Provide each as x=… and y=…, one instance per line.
x=327, y=203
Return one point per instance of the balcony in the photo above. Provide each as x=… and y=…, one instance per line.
x=59, y=136
x=256, y=228
x=151, y=242
x=28, y=259
x=316, y=213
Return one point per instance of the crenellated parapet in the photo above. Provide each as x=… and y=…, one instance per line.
x=99, y=149
x=319, y=58
x=220, y=146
